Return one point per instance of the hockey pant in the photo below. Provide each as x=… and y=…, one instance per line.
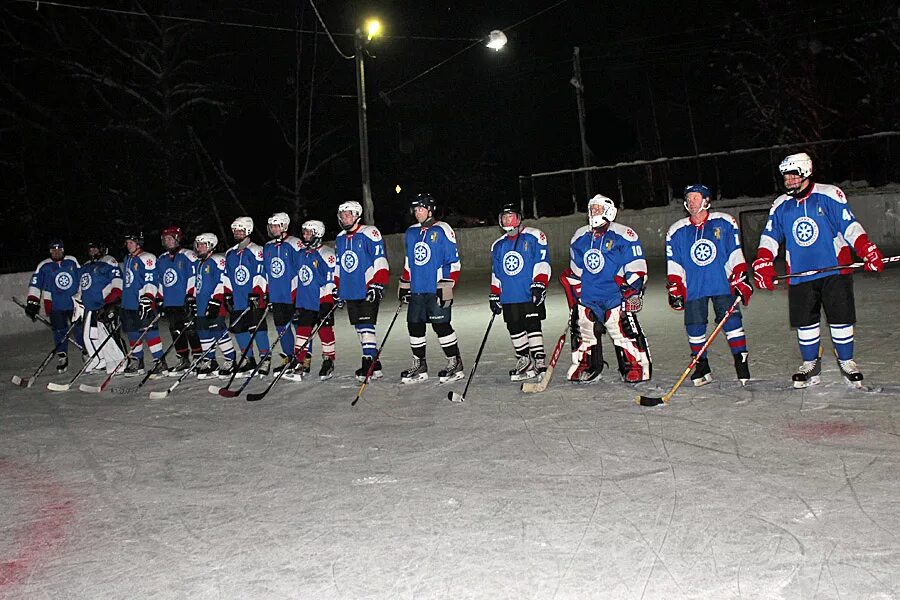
x=94, y=335
x=632, y=350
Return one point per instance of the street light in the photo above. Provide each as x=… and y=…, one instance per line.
x=362, y=38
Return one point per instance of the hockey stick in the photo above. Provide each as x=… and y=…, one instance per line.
x=251, y=397
x=165, y=393
x=214, y=389
x=455, y=396
x=156, y=363
x=50, y=325
x=886, y=260
x=96, y=389
x=651, y=401
x=29, y=381
x=377, y=355
x=226, y=393
x=530, y=387
x=64, y=387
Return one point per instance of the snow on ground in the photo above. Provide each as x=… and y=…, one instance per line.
x=574, y=493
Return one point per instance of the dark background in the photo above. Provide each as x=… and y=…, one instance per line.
x=112, y=122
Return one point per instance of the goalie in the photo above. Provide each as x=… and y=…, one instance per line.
x=604, y=286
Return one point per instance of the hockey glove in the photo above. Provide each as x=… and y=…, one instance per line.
x=375, y=292
x=109, y=314
x=445, y=293
x=403, y=291
x=213, y=307
x=538, y=293
x=32, y=307
x=229, y=301
x=190, y=306
x=295, y=318
x=740, y=286
x=146, y=306
x=336, y=296
x=632, y=299
x=677, y=293
x=496, y=307
x=870, y=253
x=255, y=300
x=764, y=273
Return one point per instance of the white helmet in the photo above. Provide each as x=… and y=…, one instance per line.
x=607, y=213
x=800, y=163
x=280, y=218
x=244, y=224
x=209, y=239
x=318, y=229
x=353, y=207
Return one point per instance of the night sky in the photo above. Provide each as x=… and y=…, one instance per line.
x=117, y=122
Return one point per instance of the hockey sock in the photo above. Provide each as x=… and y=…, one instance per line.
x=138, y=350
x=366, y=335
x=842, y=339
x=227, y=347
x=808, y=338
x=303, y=332
x=447, y=338
x=262, y=342
x=734, y=333
x=326, y=336
x=519, y=338
x=535, y=337
x=287, y=344
x=696, y=333
x=243, y=340
x=417, y=339
x=155, y=344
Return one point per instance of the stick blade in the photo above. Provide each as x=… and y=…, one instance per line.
x=90, y=389
x=159, y=395
x=456, y=397
x=20, y=381
x=214, y=389
x=226, y=393
x=255, y=397
x=533, y=387
x=649, y=401
x=58, y=387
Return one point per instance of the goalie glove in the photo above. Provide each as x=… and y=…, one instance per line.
x=632, y=299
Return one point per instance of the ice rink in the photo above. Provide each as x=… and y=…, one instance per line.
x=764, y=492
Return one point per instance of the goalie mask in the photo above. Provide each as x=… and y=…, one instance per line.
x=601, y=211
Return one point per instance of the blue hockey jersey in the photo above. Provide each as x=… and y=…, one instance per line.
x=139, y=271
x=100, y=282
x=517, y=262
x=176, y=274
x=431, y=255
x=280, y=264
x=55, y=283
x=313, y=274
x=703, y=257
x=361, y=261
x=605, y=261
x=244, y=273
x=209, y=282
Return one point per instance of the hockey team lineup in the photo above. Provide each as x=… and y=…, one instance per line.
x=218, y=306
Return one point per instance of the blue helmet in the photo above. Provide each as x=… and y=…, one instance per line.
x=700, y=189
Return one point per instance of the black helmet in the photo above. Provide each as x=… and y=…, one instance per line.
x=56, y=244
x=101, y=246
x=137, y=238
x=425, y=201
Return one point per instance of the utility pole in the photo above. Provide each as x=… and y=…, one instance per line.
x=579, y=99
x=368, y=206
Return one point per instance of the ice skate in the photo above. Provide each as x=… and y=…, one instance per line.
x=246, y=369
x=808, y=374
x=283, y=362
x=417, y=371
x=540, y=363
x=226, y=369
x=364, y=370
x=135, y=367
x=207, y=368
x=62, y=362
x=453, y=370
x=265, y=367
x=524, y=369
x=850, y=372
x=299, y=371
x=327, y=370
x=701, y=375
x=180, y=367
x=160, y=370
x=742, y=367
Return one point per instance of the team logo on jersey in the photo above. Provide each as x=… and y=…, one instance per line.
x=349, y=261
x=64, y=280
x=276, y=267
x=703, y=252
x=717, y=233
x=129, y=278
x=434, y=236
x=170, y=277
x=594, y=261
x=805, y=231
x=609, y=245
x=421, y=253
x=198, y=285
x=86, y=281
x=306, y=275
x=242, y=275
x=513, y=263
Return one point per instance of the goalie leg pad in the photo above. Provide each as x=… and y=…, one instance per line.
x=584, y=340
x=635, y=362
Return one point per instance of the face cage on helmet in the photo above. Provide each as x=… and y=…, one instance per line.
x=704, y=206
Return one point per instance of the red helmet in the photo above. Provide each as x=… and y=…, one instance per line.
x=174, y=231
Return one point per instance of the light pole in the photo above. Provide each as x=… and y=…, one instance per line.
x=362, y=38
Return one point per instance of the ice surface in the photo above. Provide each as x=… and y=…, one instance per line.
x=576, y=492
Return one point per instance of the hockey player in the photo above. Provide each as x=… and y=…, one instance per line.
x=176, y=267
x=99, y=298
x=245, y=284
x=280, y=264
x=705, y=263
x=520, y=274
x=360, y=277
x=209, y=290
x=55, y=282
x=430, y=272
x=817, y=228
x=315, y=280
x=604, y=285
x=139, y=306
